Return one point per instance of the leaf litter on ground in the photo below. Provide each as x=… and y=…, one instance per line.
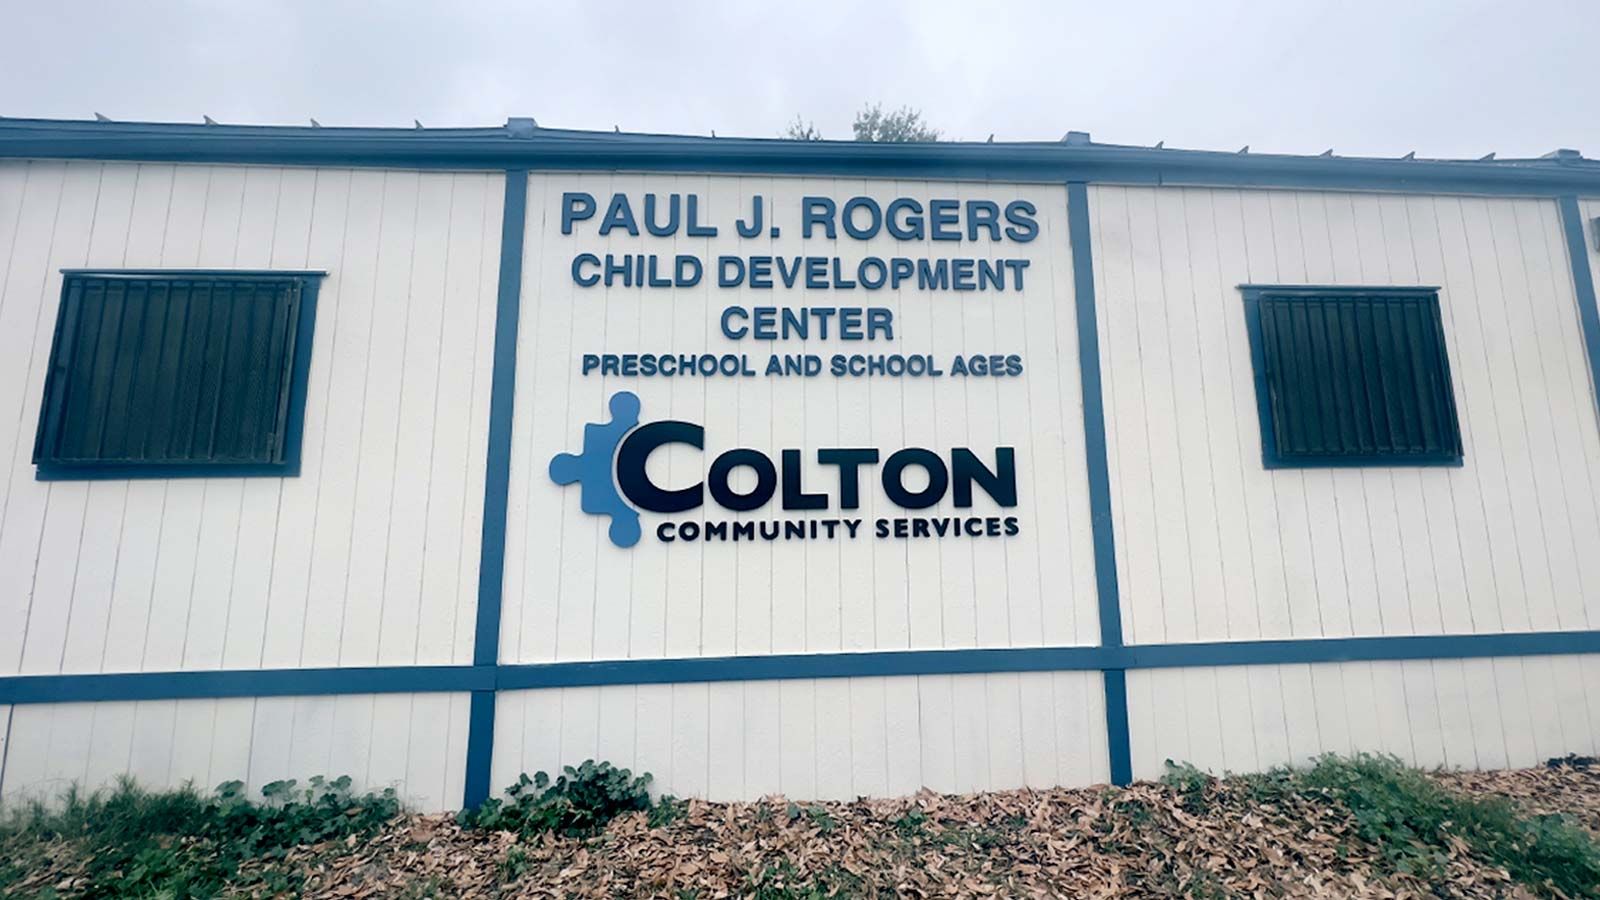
x=1281, y=834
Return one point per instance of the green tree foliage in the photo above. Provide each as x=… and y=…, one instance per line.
x=903, y=125
x=873, y=124
x=801, y=130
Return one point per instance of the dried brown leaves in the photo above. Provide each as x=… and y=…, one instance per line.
x=1225, y=839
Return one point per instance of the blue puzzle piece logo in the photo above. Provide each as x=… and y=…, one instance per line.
x=593, y=468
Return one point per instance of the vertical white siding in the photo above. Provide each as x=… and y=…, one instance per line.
x=833, y=738
x=5, y=741
x=370, y=555
x=1212, y=546
x=415, y=743
x=570, y=594
x=1459, y=714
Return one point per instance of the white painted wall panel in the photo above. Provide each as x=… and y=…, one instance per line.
x=571, y=595
x=1212, y=546
x=5, y=737
x=1459, y=714
x=831, y=738
x=414, y=743
x=370, y=555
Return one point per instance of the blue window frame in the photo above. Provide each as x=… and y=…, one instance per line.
x=177, y=373
x=1351, y=376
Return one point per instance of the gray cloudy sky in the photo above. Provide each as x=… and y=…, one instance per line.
x=1444, y=77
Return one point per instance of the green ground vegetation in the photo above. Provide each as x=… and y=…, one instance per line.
x=1388, y=820
x=131, y=842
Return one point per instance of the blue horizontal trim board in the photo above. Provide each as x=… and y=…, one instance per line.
x=243, y=683
x=801, y=665
x=15, y=689
x=1352, y=649
x=514, y=146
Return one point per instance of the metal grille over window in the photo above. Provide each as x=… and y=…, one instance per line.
x=1349, y=376
x=171, y=374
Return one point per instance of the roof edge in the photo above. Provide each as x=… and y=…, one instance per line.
x=521, y=143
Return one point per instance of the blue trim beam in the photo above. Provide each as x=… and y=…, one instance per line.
x=485, y=680
x=1118, y=741
x=1360, y=649
x=496, y=485
x=801, y=665
x=1583, y=285
x=497, y=474
x=1094, y=417
x=242, y=683
x=1119, y=744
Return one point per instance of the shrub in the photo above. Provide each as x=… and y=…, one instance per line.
x=1412, y=820
x=580, y=801
x=666, y=810
x=1190, y=783
x=321, y=811
x=179, y=843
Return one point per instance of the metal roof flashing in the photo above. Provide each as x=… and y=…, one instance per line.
x=522, y=143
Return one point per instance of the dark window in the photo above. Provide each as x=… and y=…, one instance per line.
x=172, y=374
x=1351, y=377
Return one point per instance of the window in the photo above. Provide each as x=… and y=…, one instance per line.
x=175, y=373
x=1351, y=377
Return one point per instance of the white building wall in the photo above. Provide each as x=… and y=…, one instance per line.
x=5, y=736
x=370, y=556
x=415, y=743
x=571, y=595
x=832, y=738
x=1213, y=546
x=1506, y=712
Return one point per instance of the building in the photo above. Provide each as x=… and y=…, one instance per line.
x=434, y=456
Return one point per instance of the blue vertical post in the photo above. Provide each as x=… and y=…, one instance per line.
x=1583, y=285
x=496, y=485
x=1094, y=445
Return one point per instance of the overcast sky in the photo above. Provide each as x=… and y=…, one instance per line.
x=1454, y=78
